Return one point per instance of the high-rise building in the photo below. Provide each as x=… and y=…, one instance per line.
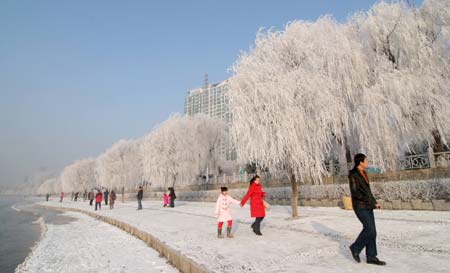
x=212, y=100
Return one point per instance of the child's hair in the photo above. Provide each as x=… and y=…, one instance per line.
x=253, y=179
x=222, y=189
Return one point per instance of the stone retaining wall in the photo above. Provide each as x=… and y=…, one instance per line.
x=175, y=258
x=315, y=196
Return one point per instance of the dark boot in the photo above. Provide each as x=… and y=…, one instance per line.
x=219, y=233
x=355, y=256
x=229, y=235
x=375, y=261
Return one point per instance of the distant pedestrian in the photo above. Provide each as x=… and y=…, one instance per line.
x=257, y=209
x=76, y=197
x=61, y=197
x=85, y=194
x=166, y=199
x=172, y=197
x=363, y=204
x=98, y=200
x=91, y=197
x=112, y=199
x=47, y=196
x=223, y=212
x=105, y=196
x=139, y=196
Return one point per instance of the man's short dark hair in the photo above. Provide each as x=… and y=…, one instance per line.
x=359, y=158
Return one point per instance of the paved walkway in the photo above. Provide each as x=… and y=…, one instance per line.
x=409, y=241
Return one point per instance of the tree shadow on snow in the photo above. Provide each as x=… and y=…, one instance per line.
x=336, y=236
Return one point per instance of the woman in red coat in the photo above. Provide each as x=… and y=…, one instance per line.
x=98, y=200
x=257, y=209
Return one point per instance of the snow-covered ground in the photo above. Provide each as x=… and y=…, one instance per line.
x=87, y=245
x=409, y=241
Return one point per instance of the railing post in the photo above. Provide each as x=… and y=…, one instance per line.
x=332, y=172
x=431, y=158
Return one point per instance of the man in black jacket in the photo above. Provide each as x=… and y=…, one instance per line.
x=363, y=204
x=105, y=196
x=140, y=195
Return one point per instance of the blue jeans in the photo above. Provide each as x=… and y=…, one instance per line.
x=367, y=237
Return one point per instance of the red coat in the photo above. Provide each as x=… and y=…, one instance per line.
x=256, y=196
x=98, y=197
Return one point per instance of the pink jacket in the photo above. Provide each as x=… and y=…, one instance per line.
x=223, y=212
x=166, y=199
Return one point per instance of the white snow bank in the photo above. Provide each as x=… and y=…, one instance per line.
x=87, y=245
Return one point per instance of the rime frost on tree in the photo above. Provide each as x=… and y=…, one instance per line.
x=79, y=176
x=120, y=166
x=180, y=149
x=51, y=185
x=378, y=83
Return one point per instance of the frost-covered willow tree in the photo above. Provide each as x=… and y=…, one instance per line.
x=79, y=176
x=407, y=96
x=120, y=166
x=47, y=186
x=180, y=148
x=288, y=97
x=315, y=89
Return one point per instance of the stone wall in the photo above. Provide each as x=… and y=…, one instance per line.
x=403, y=194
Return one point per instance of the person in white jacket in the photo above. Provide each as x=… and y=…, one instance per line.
x=223, y=212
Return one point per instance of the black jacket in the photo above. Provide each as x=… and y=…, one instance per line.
x=172, y=194
x=362, y=196
x=140, y=194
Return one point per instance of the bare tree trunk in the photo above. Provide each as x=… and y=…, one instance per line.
x=294, y=197
x=123, y=194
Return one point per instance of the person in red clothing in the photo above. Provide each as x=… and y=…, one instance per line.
x=257, y=210
x=98, y=200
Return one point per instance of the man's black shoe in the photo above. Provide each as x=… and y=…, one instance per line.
x=375, y=261
x=355, y=256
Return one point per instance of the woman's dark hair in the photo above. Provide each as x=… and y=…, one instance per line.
x=253, y=179
x=358, y=159
x=222, y=189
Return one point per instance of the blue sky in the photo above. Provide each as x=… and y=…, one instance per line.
x=77, y=76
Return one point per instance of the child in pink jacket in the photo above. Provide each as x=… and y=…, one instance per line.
x=166, y=199
x=223, y=212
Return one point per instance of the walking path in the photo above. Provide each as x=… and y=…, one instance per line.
x=409, y=241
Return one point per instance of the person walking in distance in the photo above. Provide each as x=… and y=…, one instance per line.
x=363, y=204
x=61, y=197
x=172, y=197
x=166, y=199
x=106, y=196
x=112, y=199
x=98, y=200
x=257, y=209
x=139, y=196
x=91, y=197
x=223, y=212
